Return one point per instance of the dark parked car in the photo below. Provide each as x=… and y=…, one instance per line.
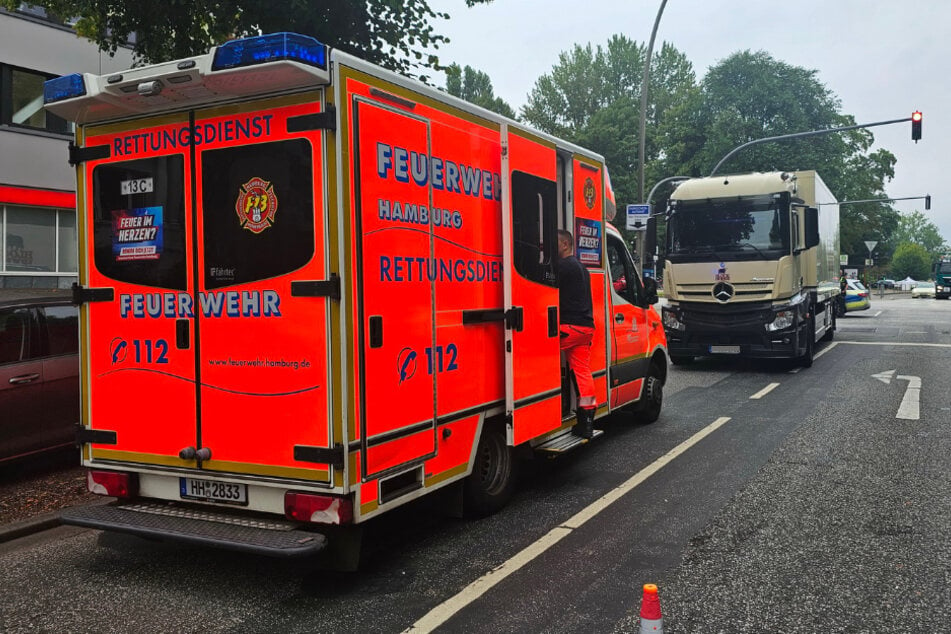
x=883, y=284
x=39, y=376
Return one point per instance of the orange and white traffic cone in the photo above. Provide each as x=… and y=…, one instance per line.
x=651, y=620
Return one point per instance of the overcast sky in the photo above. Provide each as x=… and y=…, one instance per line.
x=883, y=59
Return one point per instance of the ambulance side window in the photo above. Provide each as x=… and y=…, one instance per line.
x=139, y=221
x=535, y=227
x=258, y=211
x=624, y=278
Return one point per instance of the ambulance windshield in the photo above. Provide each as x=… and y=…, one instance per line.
x=747, y=228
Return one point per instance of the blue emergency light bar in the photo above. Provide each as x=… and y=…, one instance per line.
x=65, y=87
x=269, y=48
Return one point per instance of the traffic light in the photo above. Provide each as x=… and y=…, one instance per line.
x=928, y=202
x=916, y=125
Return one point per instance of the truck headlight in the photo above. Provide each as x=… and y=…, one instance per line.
x=940, y=289
x=672, y=319
x=782, y=319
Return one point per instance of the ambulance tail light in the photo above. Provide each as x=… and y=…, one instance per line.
x=317, y=509
x=117, y=484
x=270, y=48
x=65, y=87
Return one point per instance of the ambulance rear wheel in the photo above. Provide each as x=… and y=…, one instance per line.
x=492, y=481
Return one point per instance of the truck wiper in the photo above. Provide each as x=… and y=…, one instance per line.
x=754, y=247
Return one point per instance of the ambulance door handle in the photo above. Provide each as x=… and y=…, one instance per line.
x=552, y=321
x=181, y=334
x=376, y=331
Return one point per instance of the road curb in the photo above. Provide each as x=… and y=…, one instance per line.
x=9, y=532
x=39, y=523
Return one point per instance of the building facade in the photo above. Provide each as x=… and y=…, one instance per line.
x=37, y=185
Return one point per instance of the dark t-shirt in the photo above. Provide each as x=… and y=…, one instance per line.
x=574, y=293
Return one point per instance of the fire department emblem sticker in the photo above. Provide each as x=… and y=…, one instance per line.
x=589, y=193
x=256, y=205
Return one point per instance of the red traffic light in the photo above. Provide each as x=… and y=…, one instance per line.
x=916, y=125
x=916, y=116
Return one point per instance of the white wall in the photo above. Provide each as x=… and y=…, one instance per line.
x=38, y=160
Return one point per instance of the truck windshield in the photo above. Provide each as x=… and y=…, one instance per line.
x=944, y=268
x=729, y=229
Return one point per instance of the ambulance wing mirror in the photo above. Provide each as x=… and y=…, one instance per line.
x=650, y=290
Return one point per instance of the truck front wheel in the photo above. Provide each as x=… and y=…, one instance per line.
x=806, y=359
x=492, y=481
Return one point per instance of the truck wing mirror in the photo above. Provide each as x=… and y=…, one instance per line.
x=812, y=227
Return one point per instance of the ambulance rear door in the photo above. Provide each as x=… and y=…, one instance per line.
x=209, y=227
x=530, y=252
x=264, y=288
x=138, y=291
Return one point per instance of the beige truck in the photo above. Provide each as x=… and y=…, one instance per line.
x=751, y=266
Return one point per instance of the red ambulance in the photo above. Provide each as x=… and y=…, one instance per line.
x=313, y=290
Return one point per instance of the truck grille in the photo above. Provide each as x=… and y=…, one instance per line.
x=744, y=291
x=726, y=318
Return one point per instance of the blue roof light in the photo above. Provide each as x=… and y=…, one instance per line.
x=65, y=87
x=269, y=48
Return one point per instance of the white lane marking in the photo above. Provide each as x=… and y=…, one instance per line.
x=909, y=409
x=877, y=314
x=915, y=332
x=796, y=370
x=895, y=343
x=445, y=610
x=766, y=390
x=825, y=350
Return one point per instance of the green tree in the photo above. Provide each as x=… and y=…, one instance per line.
x=475, y=87
x=395, y=35
x=910, y=260
x=592, y=97
x=915, y=228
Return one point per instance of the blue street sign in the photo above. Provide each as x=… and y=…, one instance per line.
x=637, y=216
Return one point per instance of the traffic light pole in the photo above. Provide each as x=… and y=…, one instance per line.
x=800, y=135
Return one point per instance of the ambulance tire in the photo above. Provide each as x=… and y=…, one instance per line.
x=648, y=408
x=492, y=481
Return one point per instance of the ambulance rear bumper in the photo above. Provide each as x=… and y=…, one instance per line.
x=272, y=537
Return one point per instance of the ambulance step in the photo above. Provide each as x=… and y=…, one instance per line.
x=276, y=538
x=564, y=442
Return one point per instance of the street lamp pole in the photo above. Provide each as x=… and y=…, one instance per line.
x=644, y=86
x=643, y=142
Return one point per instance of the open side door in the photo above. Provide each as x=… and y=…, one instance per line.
x=530, y=247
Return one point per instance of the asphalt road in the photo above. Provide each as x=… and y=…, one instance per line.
x=810, y=508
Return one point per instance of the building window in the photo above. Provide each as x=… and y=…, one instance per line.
x=21, y=101
x=31, y=239
x=40, y=247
